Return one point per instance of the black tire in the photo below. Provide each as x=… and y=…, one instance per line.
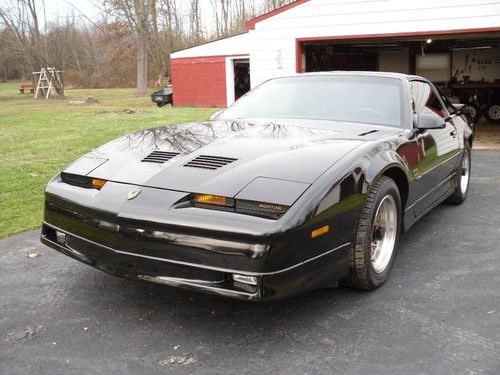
x=472, y=111
x=362, y=274
x=492, y=113
x=459, y=195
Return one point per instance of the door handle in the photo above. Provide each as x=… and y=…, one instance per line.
x=453, y=133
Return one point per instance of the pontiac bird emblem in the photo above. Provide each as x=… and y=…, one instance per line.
x=133, y=193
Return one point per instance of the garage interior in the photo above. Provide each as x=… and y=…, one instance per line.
x=465, y=68
x=241, y=69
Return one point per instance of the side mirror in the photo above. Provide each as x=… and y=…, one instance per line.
x=216, y=114
x=427, y=121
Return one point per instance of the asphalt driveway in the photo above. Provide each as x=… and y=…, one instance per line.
x=439, y=313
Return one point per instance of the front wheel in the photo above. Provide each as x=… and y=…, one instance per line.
x=462, y=179
x=372, y=254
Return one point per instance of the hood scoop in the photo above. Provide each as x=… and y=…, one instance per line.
x=209, y=162
x=159, y=157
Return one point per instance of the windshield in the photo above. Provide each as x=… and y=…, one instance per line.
x=374, y=100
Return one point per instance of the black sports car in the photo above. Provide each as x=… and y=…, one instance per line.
x=305, y=181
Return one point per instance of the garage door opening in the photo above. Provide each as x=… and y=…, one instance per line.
x=241, y=77
x=237, y=78
x=465, y=68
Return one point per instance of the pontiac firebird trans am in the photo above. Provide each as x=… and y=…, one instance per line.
x=304, y=182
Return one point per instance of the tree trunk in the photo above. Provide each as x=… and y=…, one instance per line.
x=142, y=65
x=141, y=15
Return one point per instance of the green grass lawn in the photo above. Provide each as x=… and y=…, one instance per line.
x=40, y=137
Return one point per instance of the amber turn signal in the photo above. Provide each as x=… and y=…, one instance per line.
x=97, y=183
x=210, y=199
x=318, y=232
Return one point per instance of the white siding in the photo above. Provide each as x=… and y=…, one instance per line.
x=272, y=43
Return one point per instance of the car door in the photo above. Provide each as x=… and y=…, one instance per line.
x=440, y=148
x=459, y=119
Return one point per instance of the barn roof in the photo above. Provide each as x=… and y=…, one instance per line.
x=235, y=45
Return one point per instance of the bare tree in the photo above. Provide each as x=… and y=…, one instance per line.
x=274, y=4
x=230, y=15
x=142, y=9
x=130, y=40
x=21, y=19
x=137, y=15
x=155, y=39
x=171, y=35
x=195, y=25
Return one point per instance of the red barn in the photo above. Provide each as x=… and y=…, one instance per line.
x=213, y=74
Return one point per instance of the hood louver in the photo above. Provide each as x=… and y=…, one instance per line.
x=209, y=162
x=159, y=157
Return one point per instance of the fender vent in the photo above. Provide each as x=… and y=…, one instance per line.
x=159, y=157
x=209, y=162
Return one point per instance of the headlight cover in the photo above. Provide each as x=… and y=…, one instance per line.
x=247, y=207
x=265, y=197
x=82, y=181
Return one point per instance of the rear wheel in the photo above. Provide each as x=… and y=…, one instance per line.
x=492, y=113
x=462, y=179
x=372, y=254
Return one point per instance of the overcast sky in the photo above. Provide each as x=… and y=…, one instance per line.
x=90, y=8
x=57, y=9
x=62, y=8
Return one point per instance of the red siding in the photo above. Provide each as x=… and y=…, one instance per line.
x=199, y=81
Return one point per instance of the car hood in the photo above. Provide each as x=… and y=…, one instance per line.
x=233, y=154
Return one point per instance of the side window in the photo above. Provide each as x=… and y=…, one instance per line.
x=425, y=100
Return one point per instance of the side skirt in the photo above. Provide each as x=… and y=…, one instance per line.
x=409, y=216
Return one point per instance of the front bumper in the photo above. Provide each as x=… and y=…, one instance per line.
x=320, y=271
x=150, y=238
